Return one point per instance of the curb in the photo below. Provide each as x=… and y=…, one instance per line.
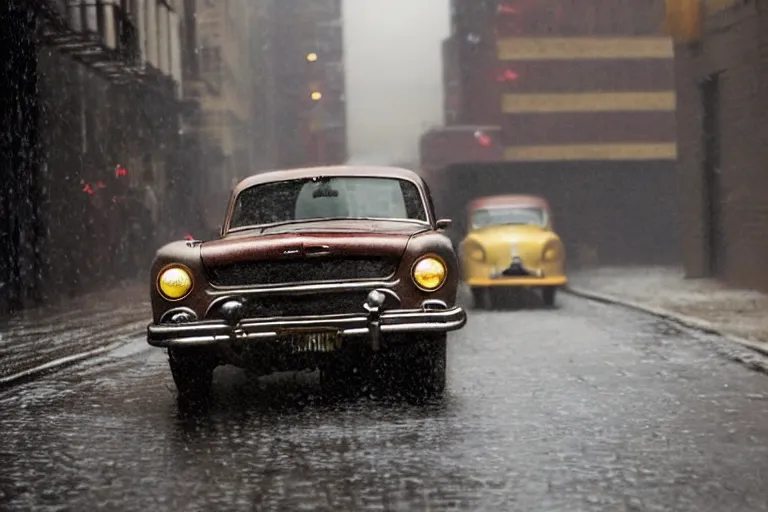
x=686, y=321
x=52, y=366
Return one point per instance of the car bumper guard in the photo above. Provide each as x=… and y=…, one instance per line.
x=373, y=323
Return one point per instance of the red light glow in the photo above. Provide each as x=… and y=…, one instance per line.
x=507, y=76
x=189, y=237
x=483, y=139
x=120, y=171
x=87, y=189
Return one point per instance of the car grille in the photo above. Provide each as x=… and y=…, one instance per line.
x=306, y=305
x=302, y=271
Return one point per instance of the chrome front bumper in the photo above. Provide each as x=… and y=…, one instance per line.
x=372, y=324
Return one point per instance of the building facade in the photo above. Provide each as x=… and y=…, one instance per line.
x=722, y=106
x=99, y=87
x=225, y=93
x=306, y=51
x=575, y=103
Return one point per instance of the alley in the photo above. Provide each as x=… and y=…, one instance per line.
x=585, y=407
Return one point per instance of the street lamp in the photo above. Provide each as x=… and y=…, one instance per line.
x=311, y=57
x=316, y=96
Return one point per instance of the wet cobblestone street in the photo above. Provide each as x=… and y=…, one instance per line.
x=584, y=407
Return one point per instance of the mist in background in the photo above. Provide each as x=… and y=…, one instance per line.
x=394, y=76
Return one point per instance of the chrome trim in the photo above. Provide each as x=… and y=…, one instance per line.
x=434, y=303
x=168, y=314
x=211, y=332
x=222, y=300
x=300, y=288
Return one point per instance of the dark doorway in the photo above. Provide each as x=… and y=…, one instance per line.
x=712, y=186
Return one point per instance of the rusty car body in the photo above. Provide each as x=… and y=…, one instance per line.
x=511, y=243
x=341, y=269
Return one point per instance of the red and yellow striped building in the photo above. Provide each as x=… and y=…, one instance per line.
x=566, y=86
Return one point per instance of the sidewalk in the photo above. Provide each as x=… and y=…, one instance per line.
x=739, y=313
x=89, y=323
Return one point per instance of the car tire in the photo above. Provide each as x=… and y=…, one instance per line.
x=422, y=366
x=192, y=373
x=482, y=298
x=549, y=294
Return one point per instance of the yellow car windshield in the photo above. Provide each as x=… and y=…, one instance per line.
x=508, y=216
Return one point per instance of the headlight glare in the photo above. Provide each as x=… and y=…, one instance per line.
x=429, y=273
x=174, y=282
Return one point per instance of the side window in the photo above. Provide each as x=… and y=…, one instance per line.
x=413, y=203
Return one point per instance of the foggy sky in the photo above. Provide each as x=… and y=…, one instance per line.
x=394, y=75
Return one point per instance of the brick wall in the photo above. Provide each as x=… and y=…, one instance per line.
x=734, y=46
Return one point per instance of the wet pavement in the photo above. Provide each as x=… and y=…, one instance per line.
x=45, y=335
x=585, y=407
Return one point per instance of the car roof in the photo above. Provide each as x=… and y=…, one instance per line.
x=507, y=200
x=330, y=170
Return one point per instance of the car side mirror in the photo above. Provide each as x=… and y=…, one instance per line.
x=443, y=224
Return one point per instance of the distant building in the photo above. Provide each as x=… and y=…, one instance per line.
x=572, y=102
x=225, y=94
x=722, y=107
x=306, y=54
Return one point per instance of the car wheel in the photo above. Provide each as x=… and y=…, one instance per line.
x=192, y=373
x=422, y=368
x=549, y=294
x=482, y=298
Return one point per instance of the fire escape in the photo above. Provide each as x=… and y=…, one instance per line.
x=101, y=34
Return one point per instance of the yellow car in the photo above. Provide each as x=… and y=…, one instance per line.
x=511, y=243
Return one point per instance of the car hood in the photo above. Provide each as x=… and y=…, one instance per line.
x=512, y=233
x=311, y=240
x=500, y=243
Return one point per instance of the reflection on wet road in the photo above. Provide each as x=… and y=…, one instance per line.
x=587, y=407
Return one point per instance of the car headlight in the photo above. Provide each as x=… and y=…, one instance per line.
x=474, y=252
x=174, y=282
x=551, y=252
x=429, y=273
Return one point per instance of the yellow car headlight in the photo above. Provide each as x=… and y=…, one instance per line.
x=429, y=273
x=552, y=252
x=477, y=254
x=174, y=282
x=473, y=251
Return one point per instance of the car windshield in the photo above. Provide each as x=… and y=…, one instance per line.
x=512, y=215
x=338, y=197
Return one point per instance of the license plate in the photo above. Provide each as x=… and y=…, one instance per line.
x=299, y=342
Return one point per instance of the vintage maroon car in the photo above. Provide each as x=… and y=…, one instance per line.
x=345, y=269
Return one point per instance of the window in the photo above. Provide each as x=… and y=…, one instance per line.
x=509, y=216
x=338, y=197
